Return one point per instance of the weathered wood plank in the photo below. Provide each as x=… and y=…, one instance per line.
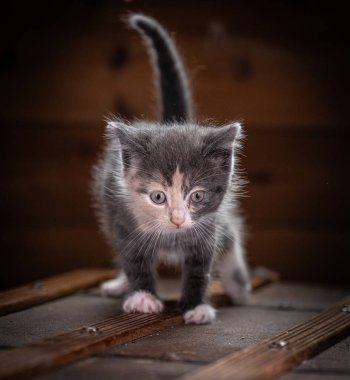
x=56, y=317
x=315, y=376
x=289, y=296
x=274, y=356
x=332, y=362
x=234, y=329
x=65, y=348
x=50, y=288
x=334, y=359
x=103, y=368
x=271, y=310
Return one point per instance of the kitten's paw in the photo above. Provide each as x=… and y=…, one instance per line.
x=237, y=287
x=201, y=314
x=116, y=287
x=142, y=302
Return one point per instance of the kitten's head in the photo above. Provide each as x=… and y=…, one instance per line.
x=174, y=175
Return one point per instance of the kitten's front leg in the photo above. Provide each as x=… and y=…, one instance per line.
x=196, y=274
x=139, y=271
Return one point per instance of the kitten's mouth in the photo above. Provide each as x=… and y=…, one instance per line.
x=177, y=229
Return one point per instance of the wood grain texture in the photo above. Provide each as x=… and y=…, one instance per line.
x=276, y=355
x=68, y=347
x=65, y=348
x=50, y=288
x=100, y=368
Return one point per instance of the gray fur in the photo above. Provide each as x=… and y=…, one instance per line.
x=239, y=277
x=142, y=153
x=175, y=98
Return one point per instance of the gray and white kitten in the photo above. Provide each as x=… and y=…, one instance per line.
x=165, y=192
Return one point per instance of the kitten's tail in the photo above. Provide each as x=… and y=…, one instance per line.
x=174, y=91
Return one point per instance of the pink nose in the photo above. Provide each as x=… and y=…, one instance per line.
x=177, y=220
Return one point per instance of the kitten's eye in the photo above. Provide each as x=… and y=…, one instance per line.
x=158, y=197
x=197, y=196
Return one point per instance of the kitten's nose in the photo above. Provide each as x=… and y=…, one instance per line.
x=177, y=219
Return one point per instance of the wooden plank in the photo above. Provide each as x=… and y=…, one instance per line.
x=291, y=296
x=50, y=288
x=274, y=356
x=235, y=329
x=272, y=309
x=105, y=368
x=335, y=359
x=332, y=363
x=56, y=317
x=316, y=376
x=65, y=348
x=58, y=286
x=68, y=347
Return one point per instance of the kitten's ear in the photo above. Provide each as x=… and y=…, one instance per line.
x=116, y=129
x=129, y=137
x=221, y=139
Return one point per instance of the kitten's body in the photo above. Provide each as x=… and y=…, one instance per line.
x=165, y=193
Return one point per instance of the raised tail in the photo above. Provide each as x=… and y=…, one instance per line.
x=175, y=99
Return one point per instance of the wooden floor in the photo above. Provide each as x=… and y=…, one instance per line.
x=178, y=349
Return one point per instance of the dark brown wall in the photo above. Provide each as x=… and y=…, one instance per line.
x=281, y=67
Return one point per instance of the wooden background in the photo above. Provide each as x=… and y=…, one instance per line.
x=281, y=67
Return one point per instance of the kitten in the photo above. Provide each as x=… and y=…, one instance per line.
x=165, y=192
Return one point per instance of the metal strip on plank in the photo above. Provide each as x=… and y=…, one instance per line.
x=274, y=356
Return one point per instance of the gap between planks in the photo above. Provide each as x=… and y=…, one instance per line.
x=65, y=348
x=272, y=357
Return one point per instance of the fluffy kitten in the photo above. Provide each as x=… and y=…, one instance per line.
x=165, y=192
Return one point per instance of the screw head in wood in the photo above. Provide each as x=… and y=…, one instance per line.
x=278, y=344
x=345, y=309
x=38, y=286
x=91, y=330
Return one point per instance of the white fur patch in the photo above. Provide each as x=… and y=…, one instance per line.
x=142, y=302
x=169, y=257
x=200, y=314
x=116, y=287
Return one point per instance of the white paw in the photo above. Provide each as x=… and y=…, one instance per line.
x=142, y=302
x=200, y=314
x=115, y=288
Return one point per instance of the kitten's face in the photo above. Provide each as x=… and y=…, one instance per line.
x=176, y=176
x=170, y=206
